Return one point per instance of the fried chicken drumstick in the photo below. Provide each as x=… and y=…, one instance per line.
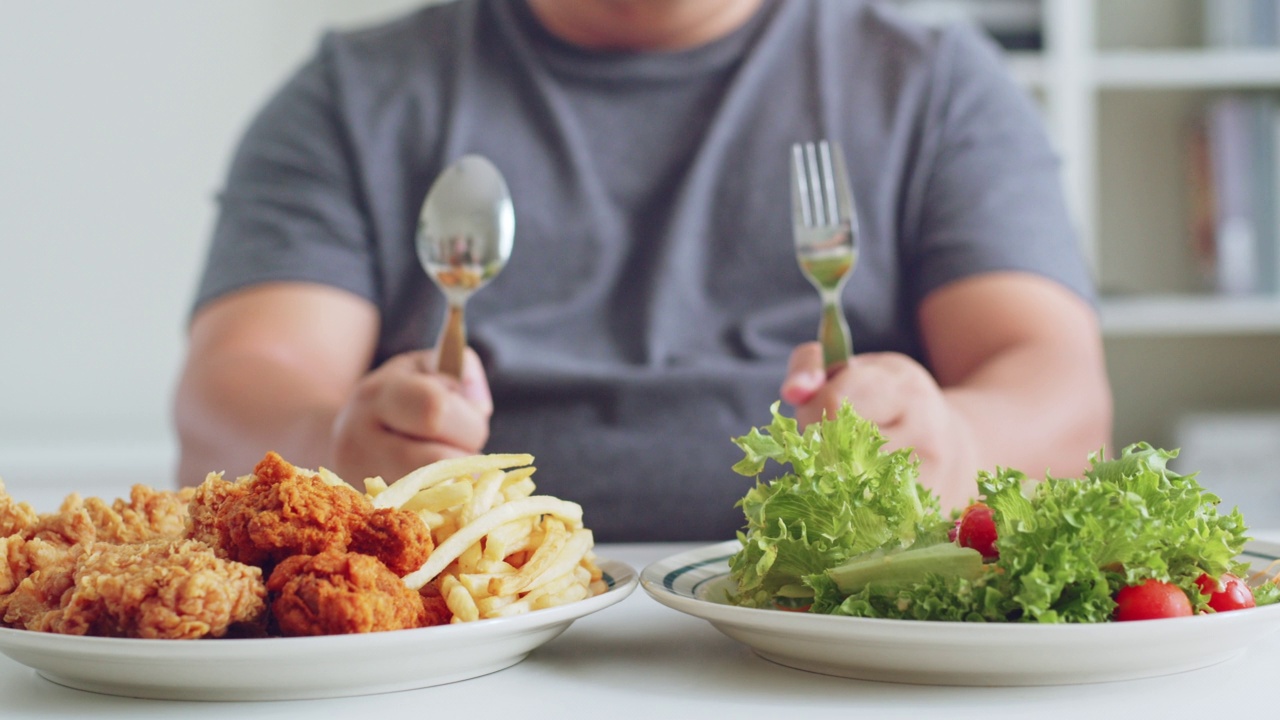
x=281, y=511
x=345, y=592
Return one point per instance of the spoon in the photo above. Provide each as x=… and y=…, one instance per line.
x=465, y=232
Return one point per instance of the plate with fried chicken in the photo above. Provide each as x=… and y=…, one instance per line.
x=288, y=583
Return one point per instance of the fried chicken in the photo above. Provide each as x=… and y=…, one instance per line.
x=15, y=517
x=36, y=542
x=338, y=592
x=191, y=564
x=19, y=557
x=396, y=537
x=148, y=514
x=163, y=588
x=48, y=574
x=280, y=511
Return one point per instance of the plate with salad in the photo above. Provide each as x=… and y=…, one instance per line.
x=846, y=566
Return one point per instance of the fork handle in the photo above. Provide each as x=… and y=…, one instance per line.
x=833, y=334
x=452, y=343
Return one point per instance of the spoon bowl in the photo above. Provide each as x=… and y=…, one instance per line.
x=465, y=235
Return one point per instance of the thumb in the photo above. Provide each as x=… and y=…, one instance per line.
x=805, y=374
x=475, y=382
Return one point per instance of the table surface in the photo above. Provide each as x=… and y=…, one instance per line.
x=642, y=659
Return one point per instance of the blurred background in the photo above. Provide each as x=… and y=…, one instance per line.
x=117, y=121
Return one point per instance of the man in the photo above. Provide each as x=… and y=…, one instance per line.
x=652, y=308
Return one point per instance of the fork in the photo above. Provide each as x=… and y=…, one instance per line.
x=826, y=235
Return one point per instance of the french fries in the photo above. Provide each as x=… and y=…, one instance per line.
x=500, y=549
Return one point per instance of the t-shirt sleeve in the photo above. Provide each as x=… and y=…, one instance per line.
x=992, y=197
x=291, y=208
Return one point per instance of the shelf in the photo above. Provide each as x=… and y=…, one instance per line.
x=1188, y=69
x=1190, y=315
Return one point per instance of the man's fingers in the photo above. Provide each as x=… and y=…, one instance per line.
x=474, y=384
x=424, y=407
x=805, y=374
x=879, y=386
x=396, y=455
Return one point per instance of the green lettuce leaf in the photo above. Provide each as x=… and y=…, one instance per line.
x=843, y=496
x=1066, y=545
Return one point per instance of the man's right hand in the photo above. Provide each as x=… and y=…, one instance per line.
x=403, y=415
x=285, y=367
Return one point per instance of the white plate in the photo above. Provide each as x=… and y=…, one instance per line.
x=957, y=653
x=306, y=667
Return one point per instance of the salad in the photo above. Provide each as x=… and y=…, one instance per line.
x=847, y=529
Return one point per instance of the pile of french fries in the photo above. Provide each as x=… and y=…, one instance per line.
x=499, y=550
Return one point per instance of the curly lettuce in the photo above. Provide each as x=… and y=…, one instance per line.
x=1067, y=545
x=843, y=496
x=850, y=531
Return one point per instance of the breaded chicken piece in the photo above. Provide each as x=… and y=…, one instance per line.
x=13, y=564
x=148, y=514
x=15, y=517
x=206, y=501
x=49, y=574
x=436, y=608
x=19, y=557
x=336, y=593
x=396, y=537
x=280, y=511
x=43, y=540
x=165, y=588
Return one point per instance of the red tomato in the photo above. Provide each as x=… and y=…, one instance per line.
x=1229, y=593
x=977, y=530
x=1151, y=600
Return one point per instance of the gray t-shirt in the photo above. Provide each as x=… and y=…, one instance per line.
x=653, y=297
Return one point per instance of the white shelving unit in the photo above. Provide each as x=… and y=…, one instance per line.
x=1176, y=315
x=1188, y=70
x=1074, y=76
x=1120, y=81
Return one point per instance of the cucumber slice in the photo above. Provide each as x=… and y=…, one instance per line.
x=906, y=567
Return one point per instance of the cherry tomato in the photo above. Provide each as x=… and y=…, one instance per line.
x=977, y=530
x=1151, y=600
x=1228, y=593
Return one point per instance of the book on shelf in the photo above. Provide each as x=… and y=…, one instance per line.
x=1241, y=23
x=1201, y=212
x=1234, y=164
x=1234, y=183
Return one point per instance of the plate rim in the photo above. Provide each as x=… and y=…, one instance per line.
x=57, y=652
x=655, y=578
x=929, y=652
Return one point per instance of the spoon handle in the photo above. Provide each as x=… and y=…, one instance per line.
x=452, y=343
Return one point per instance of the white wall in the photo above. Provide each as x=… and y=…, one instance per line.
x=116, y=123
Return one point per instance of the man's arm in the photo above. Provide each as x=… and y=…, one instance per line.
x=285, y=367
x=1019, y=380
x=1020, y=360
x=269, y=368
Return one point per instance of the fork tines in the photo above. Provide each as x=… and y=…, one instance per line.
x=820, y=183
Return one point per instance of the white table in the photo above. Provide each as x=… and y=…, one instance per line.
x=640, y=659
